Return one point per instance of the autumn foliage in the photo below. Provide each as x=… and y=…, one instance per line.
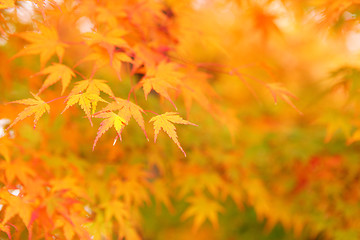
x=168, y=119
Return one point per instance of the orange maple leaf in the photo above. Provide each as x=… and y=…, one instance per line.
x=160, y=79
x=202, y=208
x=86, y=100
x=16, y=205
x=111, y=119
x=57, y=72
x=196, y=87
x=127, y=109
x=17, y=170
x=45, y=42
x=108, y=41
x=36, y=106
x=101, y=58
x=5, y=146
x=165, y=122
x=113, y=37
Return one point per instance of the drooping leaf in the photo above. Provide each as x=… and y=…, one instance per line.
x=160, y=79
x=86, y=101
x=111, y=120
x=36, y=106
x=127, y=109
x=56, y=73
x=165, y=122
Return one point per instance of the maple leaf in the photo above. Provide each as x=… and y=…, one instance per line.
x=202, y=208
x=108, y=41
x=17, y=170
x=93, y=86
x=116, y=209
x=127, y=109
x=160, y=79
x=5, y=146
x=335, y=122
x=113, y=37
x=85, y=100
x=101, y=58
x=46, y=43
x=133, y=192
x=165, y=122
x=16, y=205
x=36, y=106
x=278, y=91
x=196, y=87
x=161, y=193
x=111, y=119
x=57, y=72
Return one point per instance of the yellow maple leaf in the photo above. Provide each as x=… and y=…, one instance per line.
x=111, y=119
x=337, y=122
x=85, y=101
x=116, y=209
x=127, y=109
x=202, y=208
x=165, y=122
x=36, y=106
x=133, y=191
x=57, y=72
x=45, y=42
x=93, y=86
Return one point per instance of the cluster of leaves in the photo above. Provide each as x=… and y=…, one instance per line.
x=140, y=64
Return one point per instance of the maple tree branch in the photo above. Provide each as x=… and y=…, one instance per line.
x=62, y=97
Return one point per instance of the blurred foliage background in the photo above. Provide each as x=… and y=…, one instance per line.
x=274, y=90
